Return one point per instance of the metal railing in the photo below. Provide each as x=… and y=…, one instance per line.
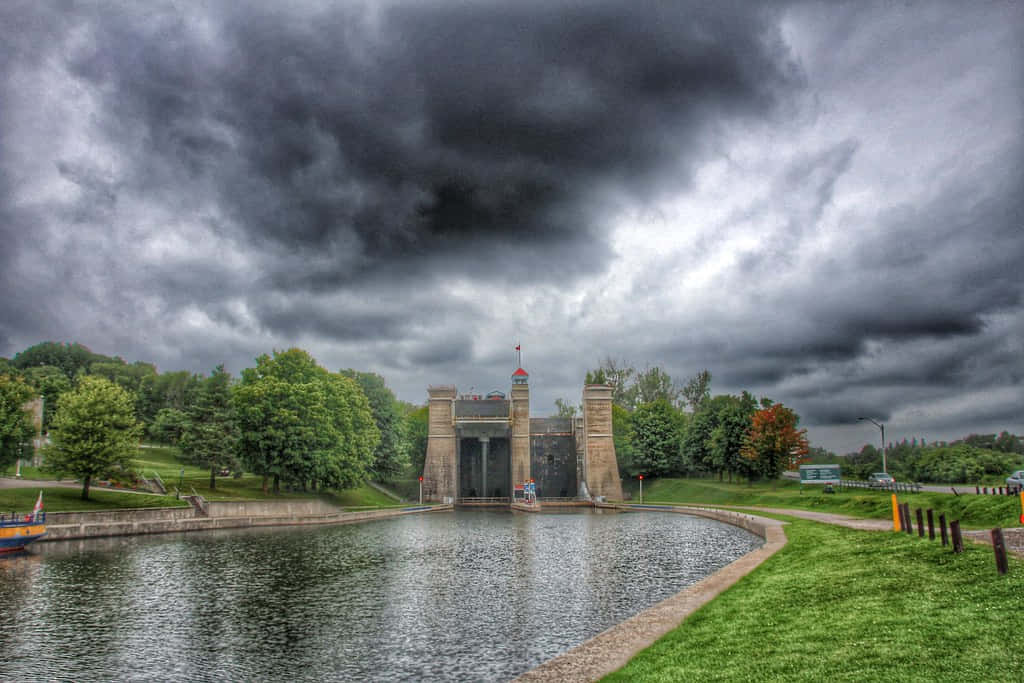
x=894, y=487
x=19, y=519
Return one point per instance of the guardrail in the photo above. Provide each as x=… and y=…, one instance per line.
x=894, y=487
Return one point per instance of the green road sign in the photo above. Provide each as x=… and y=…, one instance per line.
x=819, y=474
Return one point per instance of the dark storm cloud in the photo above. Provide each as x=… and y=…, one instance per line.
x=419, y=130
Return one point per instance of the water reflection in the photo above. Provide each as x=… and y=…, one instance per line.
x=464, y=596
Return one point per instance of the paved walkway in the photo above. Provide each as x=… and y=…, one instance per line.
x=21, y=483
x=826, y=517
x=1013, y=537
x=16, y=483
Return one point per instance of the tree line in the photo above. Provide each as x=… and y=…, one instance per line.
x=968, y=460
x=286, y=419
x=666, y=429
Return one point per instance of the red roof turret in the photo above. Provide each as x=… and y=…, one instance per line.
x=520, y=373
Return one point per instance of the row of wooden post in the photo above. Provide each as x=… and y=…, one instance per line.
x=998, y=543
x=997, y=491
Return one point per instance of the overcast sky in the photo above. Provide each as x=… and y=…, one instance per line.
x=818, y=202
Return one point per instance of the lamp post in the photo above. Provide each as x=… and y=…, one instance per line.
x=421, y=490
x=881, y=427
x=641, y=489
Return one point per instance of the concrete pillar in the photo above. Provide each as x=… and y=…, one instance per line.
x=601, y=465
x=484, y=443
x=520, y=443
x=439, y=469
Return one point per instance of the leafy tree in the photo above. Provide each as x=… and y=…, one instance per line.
x=15, y=422
x=697, y=390
x=774, y=443
x=732, y=416
x=415, y=430
x=1009, y=443
x=617, y=374
x=389, y=458
x=94, y=431
x=565, y=409
x=169, y=425
x=656, y=429
x=716, y=434
x=653, y=384
x=127, y=376
x=623, y=437
x=300, y=423
x=51, y=382
x=210, y=434
x=175, y=390
x=72, y=359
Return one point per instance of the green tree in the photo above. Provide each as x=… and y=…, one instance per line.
x=415, y=430
x=51, y=382
x=126, y=376
x=697, y=390
x=623, y=438
x=389, y=458
x=72, y=359
x=300, y=423
x=732, y=415
x=15, y=422
x=210, y=434
x=656, y=427
x=169, y=425
x=564, y=408
x=94, y=431
x=653, y=384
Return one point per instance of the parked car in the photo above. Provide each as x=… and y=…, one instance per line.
x=881, y=479
x=1016, y=480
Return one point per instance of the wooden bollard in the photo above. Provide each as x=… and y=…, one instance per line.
x=958, y=540
x=942, y=528
x=920, y=523
x=903, y=517
x=910, y=522
x=999, y=546
x=931, y=525
x=977, y=490
x=984, y=490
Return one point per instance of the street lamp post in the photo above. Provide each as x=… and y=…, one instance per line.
x=641, y=489
x=881, y=427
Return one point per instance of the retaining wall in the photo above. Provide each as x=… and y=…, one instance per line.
x=74, y=525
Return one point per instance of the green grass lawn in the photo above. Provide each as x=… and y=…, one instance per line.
x=972, y=511
x=842, y=605
x=70, y=500
x=165, y=461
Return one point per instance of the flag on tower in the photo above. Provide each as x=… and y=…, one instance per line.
x=518, y=347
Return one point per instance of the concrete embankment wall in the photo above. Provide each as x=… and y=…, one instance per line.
x=221, y=515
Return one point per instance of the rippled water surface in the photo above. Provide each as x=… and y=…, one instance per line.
x=442, y=596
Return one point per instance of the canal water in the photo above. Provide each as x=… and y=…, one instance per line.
x=464, y=596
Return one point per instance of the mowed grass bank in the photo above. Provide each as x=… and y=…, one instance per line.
x=62, y=499
x=175, y=473
x=166, y=462
x=842, y=605
x=972, y=511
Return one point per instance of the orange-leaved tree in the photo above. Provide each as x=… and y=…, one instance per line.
x=773, y=442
